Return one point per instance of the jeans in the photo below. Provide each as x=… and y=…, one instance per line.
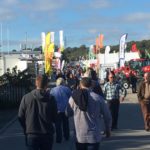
x=114, y=109
x=39, y=142
x=62, y=127
x=87, y=146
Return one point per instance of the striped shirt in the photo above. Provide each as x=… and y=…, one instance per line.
x=113, y=91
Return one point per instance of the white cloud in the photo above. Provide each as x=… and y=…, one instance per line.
x=138, y=17
x=7, y=9
x=8, y=2
x=43, y=5
x=10, y=9
x=93, y=31
x=100, y=3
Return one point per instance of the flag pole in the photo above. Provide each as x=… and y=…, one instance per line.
x=8, y=40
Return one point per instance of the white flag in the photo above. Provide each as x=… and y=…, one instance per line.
x=122, y=49
x=107, y=50
x=61, y=39
x=43, y=40
x=52, y=37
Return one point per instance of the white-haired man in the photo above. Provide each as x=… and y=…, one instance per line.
x=62, y=94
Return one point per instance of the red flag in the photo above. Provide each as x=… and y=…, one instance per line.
x=101, y=37
x=97, y=44
x=134, y=48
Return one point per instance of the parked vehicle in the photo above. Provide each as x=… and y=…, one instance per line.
x=135, y=66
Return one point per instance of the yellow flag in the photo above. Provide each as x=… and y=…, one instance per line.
x=47, y=55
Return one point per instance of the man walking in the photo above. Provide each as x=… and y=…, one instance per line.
x=37, y=113
x=87, y=108
x=114, y=93
x=62, y=95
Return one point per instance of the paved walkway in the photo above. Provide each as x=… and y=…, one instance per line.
x=129, y=136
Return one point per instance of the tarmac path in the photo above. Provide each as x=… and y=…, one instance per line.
x=130, y=135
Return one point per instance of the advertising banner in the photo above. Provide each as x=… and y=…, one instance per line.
x=122, y=48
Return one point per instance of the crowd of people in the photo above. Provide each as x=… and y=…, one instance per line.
x=78, y=94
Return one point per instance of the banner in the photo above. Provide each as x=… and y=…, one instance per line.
x=61, y=39
x=52, y=37
x=101, y=37
x=92, y=52
x=107, y=50
x=62, y=65
x=47, y=63
x=49, y=52
x=43, y=41
x=51, y=48
x=122, y=48
x=97, y=44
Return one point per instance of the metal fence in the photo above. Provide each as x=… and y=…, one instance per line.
x=11, y=95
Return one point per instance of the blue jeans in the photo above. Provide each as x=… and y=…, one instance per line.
x=87, y=146
x=62, y=127
x=39, y=143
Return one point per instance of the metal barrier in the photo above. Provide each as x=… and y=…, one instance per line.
x=11, y=95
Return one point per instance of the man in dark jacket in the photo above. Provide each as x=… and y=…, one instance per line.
x=37, y=113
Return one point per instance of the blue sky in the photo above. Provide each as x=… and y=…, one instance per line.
x=81, y=20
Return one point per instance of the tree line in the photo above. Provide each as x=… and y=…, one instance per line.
x=76, y=53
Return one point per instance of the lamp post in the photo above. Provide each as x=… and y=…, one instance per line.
x=1, y=39
x=8, y=47
x=26, y=42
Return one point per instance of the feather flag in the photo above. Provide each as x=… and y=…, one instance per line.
x=106, y=54
x=51, y=46
x=52, y=37
x=43, y=41
x=101, y=37
x=122, y=48
x=97, y=44
x=61, y=40
x=49, y=52
x=47, y=63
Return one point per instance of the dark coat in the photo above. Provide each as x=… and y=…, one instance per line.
x=37, y=113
